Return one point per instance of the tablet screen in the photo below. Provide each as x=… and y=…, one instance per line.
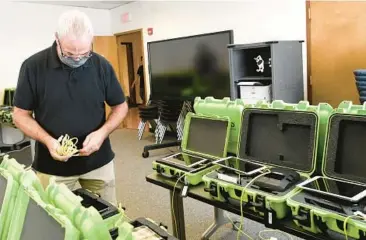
x=335, y=187
x=239, y=165
x=185, y=159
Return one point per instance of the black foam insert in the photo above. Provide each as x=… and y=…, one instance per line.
x=39, y=225
x=336, y=205
x=346, y=150
x=207, y=136
x=279, y=137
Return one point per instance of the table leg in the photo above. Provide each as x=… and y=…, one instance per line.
x=179, y=229
x=219, y=221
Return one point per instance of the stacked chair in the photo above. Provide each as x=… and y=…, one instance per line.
x=169, y=114
x=162, y=116
x=360, y=77
x=28, y=211
x=148, y=114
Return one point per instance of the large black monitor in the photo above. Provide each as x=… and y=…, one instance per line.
x=188, y=67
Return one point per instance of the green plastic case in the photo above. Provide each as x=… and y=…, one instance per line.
x=87, y=220
x=223, y=108
x=344, y=144
x=304, y=125
x=35, y=217
x=199, y=139
x=8, y=193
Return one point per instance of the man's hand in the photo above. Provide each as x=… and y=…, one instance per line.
x=52, y=145
x=93, y=142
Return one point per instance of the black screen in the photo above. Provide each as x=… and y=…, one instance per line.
x=207, y=136
x=185, y=68
x=38, y=224
x=336, y=187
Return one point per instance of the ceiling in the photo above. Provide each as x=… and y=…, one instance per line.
x=87, y=4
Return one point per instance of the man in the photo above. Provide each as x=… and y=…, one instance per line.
x=140, y=72
x=66, y=86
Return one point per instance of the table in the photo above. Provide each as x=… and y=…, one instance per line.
x=198, y=193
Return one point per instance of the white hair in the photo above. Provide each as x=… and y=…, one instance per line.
x=74, y=24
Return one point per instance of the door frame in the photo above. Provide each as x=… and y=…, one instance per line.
x=139, y=30
x=308, y=50
x=131, y=69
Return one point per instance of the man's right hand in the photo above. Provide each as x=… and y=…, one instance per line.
x=52, y=145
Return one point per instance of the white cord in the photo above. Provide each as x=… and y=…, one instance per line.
x=241, y=204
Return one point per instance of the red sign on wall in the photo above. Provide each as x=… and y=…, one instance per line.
x=125, y=17
x=150, y=31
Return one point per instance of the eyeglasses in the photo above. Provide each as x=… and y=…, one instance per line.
x=84, y=55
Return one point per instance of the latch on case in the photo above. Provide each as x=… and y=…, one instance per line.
x=185, y=189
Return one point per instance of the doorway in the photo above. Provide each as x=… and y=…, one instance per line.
x=130, y=55
x=127, y=56
x=336, y=47
x=132, y=73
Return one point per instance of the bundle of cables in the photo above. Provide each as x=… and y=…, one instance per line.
x=67, y=146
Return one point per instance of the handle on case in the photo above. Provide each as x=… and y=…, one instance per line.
x=168, y=176
x=231, y=200
x=161, y=172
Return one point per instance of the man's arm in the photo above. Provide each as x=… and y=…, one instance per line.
x=25, y=100
x=118, y=113
x=24, y=121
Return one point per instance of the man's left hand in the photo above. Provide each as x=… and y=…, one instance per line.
x=92, y=142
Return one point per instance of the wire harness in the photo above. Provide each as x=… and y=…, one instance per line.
x=67, y=146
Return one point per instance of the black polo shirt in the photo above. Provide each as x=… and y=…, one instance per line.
x=68, y=101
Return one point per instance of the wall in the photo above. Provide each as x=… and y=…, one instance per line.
x=251, y=20
x=28, y=28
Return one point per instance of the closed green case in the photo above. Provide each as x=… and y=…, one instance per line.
x=286, y=138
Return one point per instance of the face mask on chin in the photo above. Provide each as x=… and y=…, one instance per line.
x=73, y=63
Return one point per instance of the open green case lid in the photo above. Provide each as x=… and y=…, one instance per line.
x=87, y=220
x=206, y=136
x=345, y=151
x=34, y=217
x=223, y=107
x=12, y=166
x=8, y=192
x=284, y=135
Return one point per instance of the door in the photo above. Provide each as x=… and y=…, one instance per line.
x=107, y=47
x=337, y=46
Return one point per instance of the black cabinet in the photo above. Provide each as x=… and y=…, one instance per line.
x=275, y=65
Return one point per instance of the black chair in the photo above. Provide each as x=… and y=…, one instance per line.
x=169, y=114
x=148, y=114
